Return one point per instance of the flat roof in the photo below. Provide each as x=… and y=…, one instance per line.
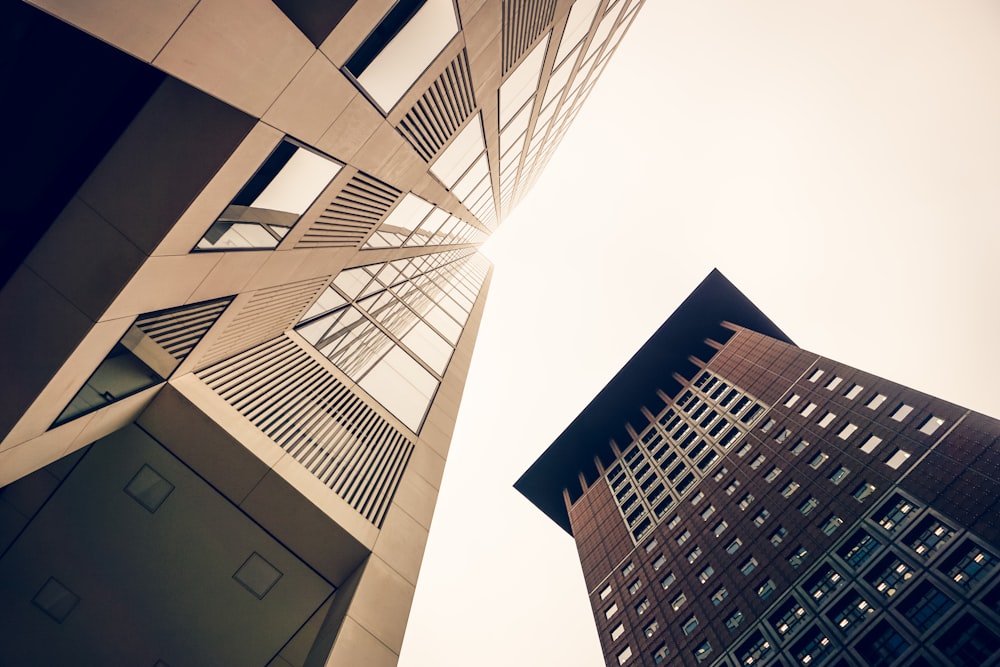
x=650, y=369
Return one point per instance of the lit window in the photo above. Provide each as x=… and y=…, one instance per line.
x=854, y=391
x=707, y=512
x=693, y=556
x=625, y=655
x=719, y=595
x=748, y=566
x=798, y=556
x=719, y=528
x=789, y=489
x=778, y=536
x=606, y=592
x=706, y=574
x=660, y=654
x=272, y=201
x=875, y=401
x=799, y=447
x=611, y=611
x=660, y=561
x=618, y=631
x=735, y=620
x=745, y=501
x=733, y=485
x=851, y=609
x=757, y=462
x=826, y=420
x=823, y=582
x=969, y=565
x=772, y=474
x=808, y=410
x=929, y=536
x=818, y=460
x=667, y=580
x=809, y=505
x=753, y=650
x=895, y=513
x=812, y=647
x=859, y=549
x=816, y=374
x=788, y=616
x=702, y=652
x=641, y=608
x=683, y=537
x=889, y=575
x=930, y=425
x=628, y=569
x=734, y=546
x=651, y=629
x=678, y=602
x=761, y=518
x=897, y=459
x=831, y=524
x=901, y=412
x=766, y=589
x=871, y=444
x=634, y=586
x=847, y=431
x=398, y=51
x=792, y=400
x=839, y=475
x=690, y=625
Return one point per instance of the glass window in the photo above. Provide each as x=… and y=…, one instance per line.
x=611, y=611
x=839, y=475
x=799, y=447
x=854, y=391
x=812, y=647
x=789, y=489
x=667, y=580
x=897, y=458
x=403, y=45
x=605, y=592
x=642, y=607
x=748, y=566
x=926, y=606
x=766, y=589
x=678, y=602
x=834, y=383
x=930, y=425
x=660, y=561
x=734, y=546
x=930, y=536
x=745, y=501
x=522, y=83
x=460, y=155
x=816, y=375
x=651, y=629
x=617, y=632
x=778, y=535
x=823, y=582
x=735, y=620
x=581, y=17
x=826, y=420
x=753, y=650
x=895, y=513
x=901, y=412
x=719, y=528
x=850, y=610
x=808, y=410
x=809, y=505
x=703, y=651
x=847, y=431
x=859, y=549
x=628, y=569
x=789, y=616
x=761, y=518
x=634, y=586
x=863, y=491
x=690, y=624
x=969, y=565
x=772, y=474
x=271, y=202
x=968, y=642
x=791, y=400
x=798, y=557
x=625, y=655
x=706, y=574
x=889, y=575
x=719, y=595
x=881, y=646
x=660, y=654
x=875, y=401
x=693, y=555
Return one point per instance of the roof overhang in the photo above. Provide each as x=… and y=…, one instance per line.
x=650, y=369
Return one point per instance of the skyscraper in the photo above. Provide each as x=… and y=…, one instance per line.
x=240, y=310
x=736, y=500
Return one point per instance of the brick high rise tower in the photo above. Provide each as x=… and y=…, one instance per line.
x=737, y=500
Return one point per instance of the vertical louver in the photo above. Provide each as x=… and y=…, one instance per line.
x=441, y=110
x=300, y=405
x=523, y=22
x=358, y=209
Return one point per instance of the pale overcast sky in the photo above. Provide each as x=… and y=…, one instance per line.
x=838, y=161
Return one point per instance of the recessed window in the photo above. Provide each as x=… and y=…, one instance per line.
x=734, y=546
x=55, y=600
x=707, y=512
x=617, y=632
x=690, y=625
x=719, y=595
x=625, y=655
x=683, y=537
x=798, y=557
x=634, y=586
x=272, y=201
x=719, y=528
x=768, y=425
x=839, y=475
x=257, y=575
x=744, y=450
x=826, y=420
x=818, y=460
x=896, y=512
x=761, y=518
x=149, y=488
x=703, y=651
x=859, y=549
x=667, y=580
x=735, y=620
x=660, y=654
x=651, y=545
x=875, y=401
x=854, y=391
x=772, y=474
x=745, y=501
x=693, y=555
x=816, y=375
x=808, y=410
x=799, y=447
x=651, y=629
x=897, y=459
x=809, y=505
x=748, y=566
x=660, y=561
x=641, y=608
x=766, y=589
x=834, y=383
x=606, y=592
x=401, y=47
x=611, y=611
x=831, y=524
x=930, y=425
x=733, y=485
x=697, y=498
x=628, y=569
x=901, y=412
x=871, y=444
x=678, y=602
x=847, y=431
x=706, y=574
x=778, y=536
x=930, y=536
x=757, y=462
x=792, y=400
x=789, y=489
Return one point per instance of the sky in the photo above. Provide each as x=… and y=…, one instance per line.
x=838, y=161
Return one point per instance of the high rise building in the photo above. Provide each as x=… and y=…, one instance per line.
x=737, y=500
x=240, y=307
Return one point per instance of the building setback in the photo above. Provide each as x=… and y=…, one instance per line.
x=240, y=306
x=737, y=500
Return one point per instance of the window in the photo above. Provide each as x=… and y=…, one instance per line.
x=690, y=624
x=761, y=518
x=839, y=475
x=778, y=535
x=816, y=374
x=697, y=498
x=667, y=580
x=651, y=545
x=628, y=569
x=611, y=611
x=693, y=556
x=798, y=556
x=809, y=505
x=930, y=535
x=674, y=522
x=678, y=602
x=660, y=561
x=822, y=582
x=930, y=425
x=660, y=654
x=969, y=565
x=720, y=474
x=617, y=632
x=735, y=620
x=799, y=447
x=744, y=450
x=847, y=431
x=702, y=652
x=859, y=549
x=832, y=523
x=813, y=646
x=772, y=474
x=766, y=589
x=881, y=646
x=968, y=642
x=851, y=609
x=926, y=606
x=788, y=616
x=606, y=592
x=745, y=501
x=651, y=629
x=719, y=595
x=753, y=649
x=748, y=566
x=272, y=201
x=863, y=491
x=634, y=586
x=719, y=528
x=625, y=655
x=889, y=575
x=826, y=420
x=895, y=513
x=706, y=574
x=707, y=512
x=792, y=400
x=768, y=425
x=875, y=401
x=901, y=412
x=683, y=537
x=757, y=462
x=401, y=47
x=897, y=459
x=818, y=460
x=789, y=489
x=733, y=485
x=854, y=391
x=641, y=608
x=808, y=410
